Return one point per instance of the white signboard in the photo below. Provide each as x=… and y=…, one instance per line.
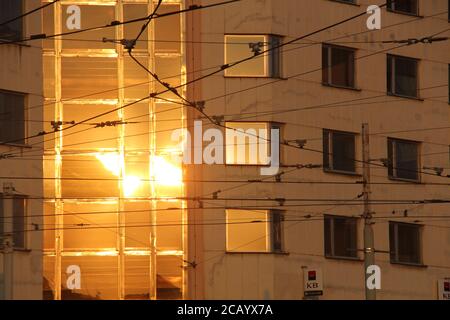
x=444, y=289
x=312, y=280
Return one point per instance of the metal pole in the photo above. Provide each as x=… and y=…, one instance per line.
x=369, y=251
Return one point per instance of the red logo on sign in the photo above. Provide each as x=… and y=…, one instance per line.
x=311, y=275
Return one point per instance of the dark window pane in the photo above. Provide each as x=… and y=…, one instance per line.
x=343, y=152
x=404, y=240
x=325, y=65
x=12, y=126
x=1, y=220
x=10, y=9
x=345, y=237
x=406, y=77
x=276, y=232
x=19, y=222
x=342, y=67
x=392, y=247
x=408, y=243
x=326, y=149
x=407, y=6
x=340, y=237
x=406, y=160
x=327, y=232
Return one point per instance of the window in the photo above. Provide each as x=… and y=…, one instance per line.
x=403, y=159
x=405, y=243
x=19, y=214
x=340, y=236
x=402, y=76
x=338, y=66
x=403, y=6
x=346, y=1
x=339, y=151
x=10, y=9
x=254, y=230
x=12, y=116
x=239, y=47
x=248, y=143
x=18, y=221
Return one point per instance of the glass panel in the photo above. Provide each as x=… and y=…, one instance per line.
x=342, y=66
x=407, y=160
x=237, y=47
x=49, y=76
x=168, y=30
x=168, y=70
x=87, y=229
x=48, y=21
x=90, y=16
x=168, y=176
x=136, y=178
x=343, y=151
x=12, y=115
x=137, y=130
x=99, y=278
x=49, y=226
x=83, y=76
x=406, y=77
x=19, y=226
x=344, y=237
x=168, y=118
x=87, y=136
x=246, y=142
x=93, y=175
x=169, y=277
x=169, y=229
x=138, y=221
x=136, y=78
x=244, y=231
x=48, y=281
x=131, y=30
x=137, y=277
x=408, y=243
x=407, y=6
x=10, y=9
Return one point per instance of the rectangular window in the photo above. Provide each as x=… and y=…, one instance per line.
x=402, y=76
x=338, y=66
x=2, y=218
x=19, y=222
x=340, y=237
x=346, y=1
x=12, y=117
x=239, y=47
x=404, y=6
x=403, y=159
x=254, y=230
x=248, y=143
x=339, y=151
x=10, y=9
x=405, y=243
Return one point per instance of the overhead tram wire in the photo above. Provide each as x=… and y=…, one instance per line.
x=118, y=23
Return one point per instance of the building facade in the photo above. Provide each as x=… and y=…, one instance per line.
x=320, y=90
x=133, y=223
x=20, y=153
x=112, y=182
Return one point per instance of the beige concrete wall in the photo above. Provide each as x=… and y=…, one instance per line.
x=268, y=276
x=21, y=71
